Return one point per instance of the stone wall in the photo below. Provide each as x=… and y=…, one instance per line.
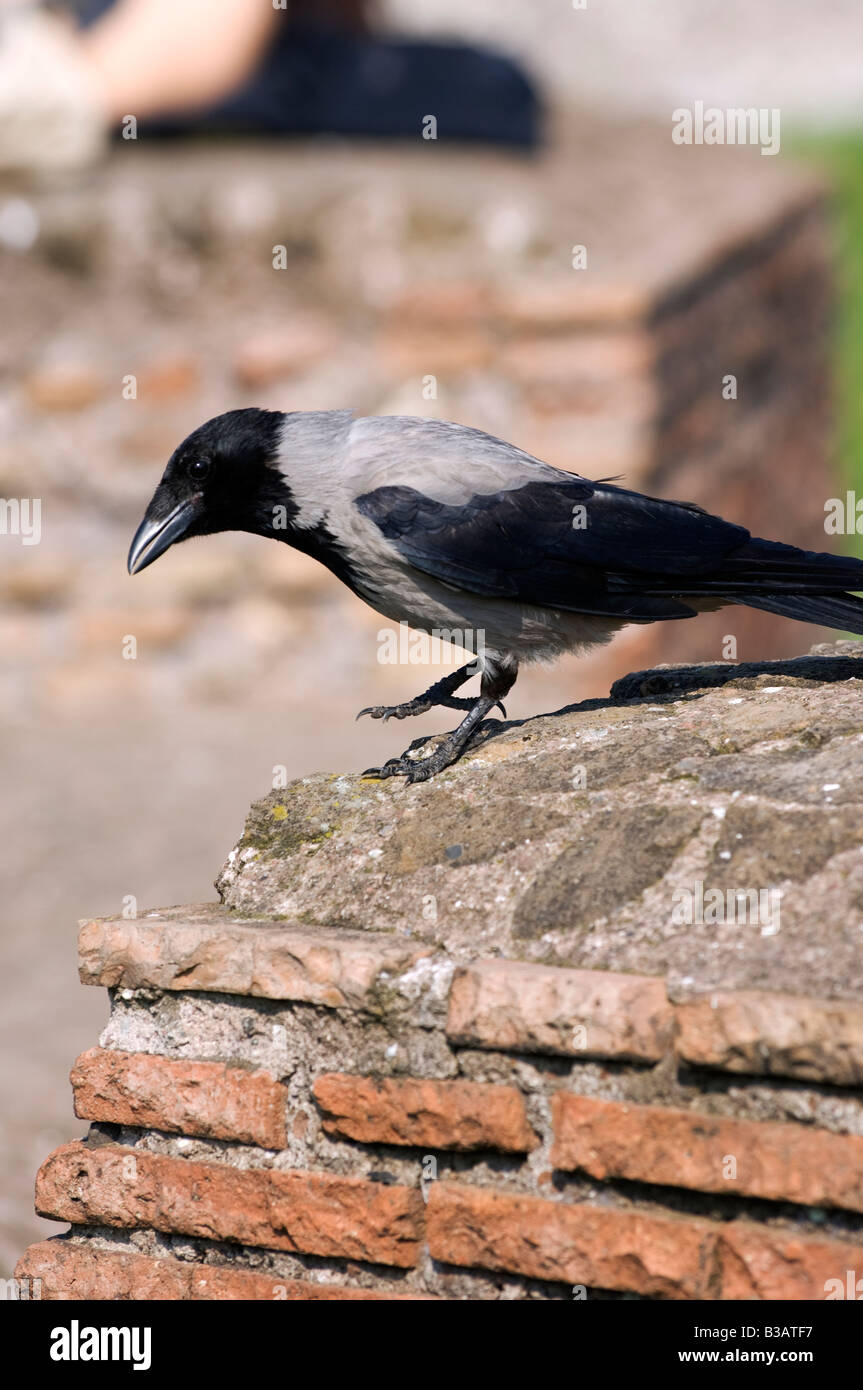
x=519, y=1032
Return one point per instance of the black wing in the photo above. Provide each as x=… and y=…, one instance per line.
x=595, y=548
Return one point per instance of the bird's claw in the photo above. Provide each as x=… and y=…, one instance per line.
x=387, y=712
x=393, y=767
x=413, y=707
x=419, y=769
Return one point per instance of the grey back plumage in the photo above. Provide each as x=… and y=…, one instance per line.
x=326, y=455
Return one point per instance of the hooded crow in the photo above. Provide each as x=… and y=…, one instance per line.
x=448, y=529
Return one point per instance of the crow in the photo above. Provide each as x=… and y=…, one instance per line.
x=447, y=528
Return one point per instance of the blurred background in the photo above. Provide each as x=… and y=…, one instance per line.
x=474, y=211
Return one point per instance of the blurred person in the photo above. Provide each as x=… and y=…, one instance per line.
x=68, y=80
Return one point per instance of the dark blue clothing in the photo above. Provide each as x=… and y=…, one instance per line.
x=324, y=81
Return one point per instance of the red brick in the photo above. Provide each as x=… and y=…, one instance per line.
x=562, y=301
x=425, y=1114
x=597, y=376
x=600, y=1247
x=311, y=1213
x=164, y=378
x=420, y=350
x=763, y=1263
x=63, y=386
x=149, y=440
x=631, y=1251
x=646, y=1143
x=447, y=303
x=285, y=351
x=747, y=1262
x=205, y=949
x=771, y=1034
x=71, y=1270
x=153, y=628
x=521, y=1007
x=182, y=1097
x=606, y=359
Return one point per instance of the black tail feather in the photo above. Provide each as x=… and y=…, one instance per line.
x=757, y=567
x=842, y=611
x=771, y=565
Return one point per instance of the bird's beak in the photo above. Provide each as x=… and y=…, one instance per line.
x=157, y=533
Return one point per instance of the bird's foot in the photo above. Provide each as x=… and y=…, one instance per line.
x=449, y=750
x=440, y=694
x=421, y=705
x=420, y=769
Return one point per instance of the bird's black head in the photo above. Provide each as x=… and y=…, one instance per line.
x=222, y=478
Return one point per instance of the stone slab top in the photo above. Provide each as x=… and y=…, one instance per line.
x=707, y=828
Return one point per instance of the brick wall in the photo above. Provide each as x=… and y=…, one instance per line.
x=424, y=1049
x=283, y=1115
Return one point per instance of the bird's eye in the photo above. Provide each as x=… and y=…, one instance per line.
x=198, y=469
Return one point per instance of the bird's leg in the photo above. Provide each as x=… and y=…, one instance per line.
x=498, y=679
x=441, y=693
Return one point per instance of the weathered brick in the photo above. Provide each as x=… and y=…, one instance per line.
x=648, y=1143
x=447, y=303
x=406, y=350
x=312, y=1213
x=631, y=1251
x=537, y=1008
x=598, y=375
x=70, y=1270
x=184, y=1097
x=285, y=351
x=566, y=300
x=158, y=629
x=425, y=1113
x=163, y=378
x=770, y=1034
x=206, y=950
x=757, y=1262
x=608, y=359
x=600, y=1247
x=63, y=386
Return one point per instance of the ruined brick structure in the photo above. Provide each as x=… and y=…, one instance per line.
x=451, y=1041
